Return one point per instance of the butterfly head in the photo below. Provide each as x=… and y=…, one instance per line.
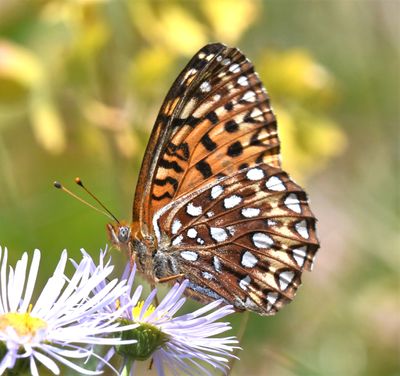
x=119, y=234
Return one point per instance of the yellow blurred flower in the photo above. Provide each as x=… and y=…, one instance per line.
x=308, y=141
x=230, y=18
x=19, y=64
x=295, y=73
x=22, y=66
x=47, y=125
x=301, y=90
x=171, y=26
x=150, y=68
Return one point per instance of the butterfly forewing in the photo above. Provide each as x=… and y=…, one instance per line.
x=211, y=193
x=216, y=120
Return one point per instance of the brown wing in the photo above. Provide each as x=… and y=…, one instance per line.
x=244, y=238
x=215, y=121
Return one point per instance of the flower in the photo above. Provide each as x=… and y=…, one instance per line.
x=65, y=318
x=181, y=344
x=190, y=338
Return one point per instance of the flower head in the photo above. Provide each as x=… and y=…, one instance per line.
x=65, y=318
x=191, y=338
x=182, y=344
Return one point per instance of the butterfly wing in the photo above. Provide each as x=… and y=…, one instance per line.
x=244, y=238
x=215, y=120
x=211, y=191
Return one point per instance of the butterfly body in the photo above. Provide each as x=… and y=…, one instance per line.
x=212, y=202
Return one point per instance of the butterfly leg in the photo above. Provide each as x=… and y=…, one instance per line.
x=151, y=364
x=131, y=255
x=169, y=278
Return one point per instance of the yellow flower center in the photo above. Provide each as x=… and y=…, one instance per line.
x=23, y=323
x=138, y=309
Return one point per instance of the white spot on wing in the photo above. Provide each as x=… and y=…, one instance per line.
x=284, y=279
x=217, y=97
x=192, y=233
x=234, y=68
x=250, y=212
x=272, y=297
x=255, y=174
x=232, y=201
x=256, y=112
x=226, y=62
x=176, y=225
x=244, y=283
x=301, y=228
x=293, y=203
x=299, y=255
x=209, y=57
x=218, y=234
x=217, y=264
x=201, y=55
x=216, y=191
x=275, y=184
x=207, y=275
x=249, y=96
x=177, y=240
x=262, y=240
x=200, y=241
x=243, y=81
x=194, y=211
x=209, y=214
x=231, y=230
x=205, y=87
x=249, y=260
x=189, y=255
x=190, y=72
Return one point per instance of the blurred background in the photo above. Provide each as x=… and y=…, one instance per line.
x=81, y=82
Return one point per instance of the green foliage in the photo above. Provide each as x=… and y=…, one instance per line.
x=80, y=86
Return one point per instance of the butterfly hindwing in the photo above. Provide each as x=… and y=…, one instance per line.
x=250, y=235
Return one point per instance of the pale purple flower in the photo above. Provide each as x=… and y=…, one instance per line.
x=190, y=340
x=192, y=336
x=65, y=319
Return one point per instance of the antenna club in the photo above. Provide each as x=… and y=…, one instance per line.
x=58, y=185
x=79, y=181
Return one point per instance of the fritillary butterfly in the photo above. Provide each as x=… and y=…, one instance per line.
x=212, y=203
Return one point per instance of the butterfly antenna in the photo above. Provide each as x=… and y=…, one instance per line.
x=58, y=185
x=79, y=182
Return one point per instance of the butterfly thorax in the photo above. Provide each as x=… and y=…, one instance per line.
x=151, y=258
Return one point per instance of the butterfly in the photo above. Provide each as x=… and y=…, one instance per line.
x=212, y=203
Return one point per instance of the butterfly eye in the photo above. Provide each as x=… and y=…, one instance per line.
x=123, y=234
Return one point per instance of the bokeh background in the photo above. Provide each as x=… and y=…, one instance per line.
x=81, y=82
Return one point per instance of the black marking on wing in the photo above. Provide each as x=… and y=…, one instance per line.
x=204, y=168
x=209, y=144
x=235, y=149
x=170, y=165
x=168, y=179
x=161, y=197
x=173, y=150
x=213, y=117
